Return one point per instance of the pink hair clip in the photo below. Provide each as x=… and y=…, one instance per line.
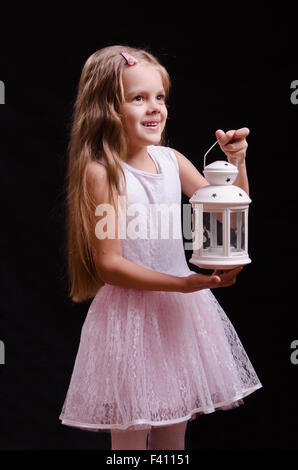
x=130, y=59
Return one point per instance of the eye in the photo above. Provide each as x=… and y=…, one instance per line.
x=138, y=98
x=160, y=97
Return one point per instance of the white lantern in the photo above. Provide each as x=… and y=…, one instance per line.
x=220, y=220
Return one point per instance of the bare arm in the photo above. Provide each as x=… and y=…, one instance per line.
x=125, y=273
x=242, y=179
x=191, y=179
x=233, y=143
x=113, y=269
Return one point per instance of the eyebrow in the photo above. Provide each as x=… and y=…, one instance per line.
x=138, y=91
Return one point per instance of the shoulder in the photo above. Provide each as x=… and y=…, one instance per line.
x=97, y=180
x=95, y=171
x=180, y=157
x=184, y=163
x=174, y=154
x=166, y=153
x=191, y=179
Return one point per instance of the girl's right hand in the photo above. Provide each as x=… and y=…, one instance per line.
x=218, y=278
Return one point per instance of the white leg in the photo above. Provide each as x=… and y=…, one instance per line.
x=129, y=440
x=168, y=437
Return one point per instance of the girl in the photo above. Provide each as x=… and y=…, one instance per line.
x=156, y=348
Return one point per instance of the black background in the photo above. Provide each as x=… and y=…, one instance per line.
x=230, y=67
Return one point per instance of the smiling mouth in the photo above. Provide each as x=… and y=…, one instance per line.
x=152, y=124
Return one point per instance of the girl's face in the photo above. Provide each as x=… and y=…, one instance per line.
x=144, y=111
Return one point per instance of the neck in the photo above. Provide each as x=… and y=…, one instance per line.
x=137, y=154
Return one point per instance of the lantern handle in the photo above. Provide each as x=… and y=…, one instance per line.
x=209, y=151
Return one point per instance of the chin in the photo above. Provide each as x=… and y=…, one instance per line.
x=154, y=141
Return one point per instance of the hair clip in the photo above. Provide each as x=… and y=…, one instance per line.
x=130, y=59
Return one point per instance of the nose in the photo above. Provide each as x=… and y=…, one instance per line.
x=153, y=107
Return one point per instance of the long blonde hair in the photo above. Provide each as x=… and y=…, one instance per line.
x=96, y=133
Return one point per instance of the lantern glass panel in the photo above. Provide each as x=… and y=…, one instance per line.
x=237, y=232
x=212, y=233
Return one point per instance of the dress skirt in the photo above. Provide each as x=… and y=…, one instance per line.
x=155, y=358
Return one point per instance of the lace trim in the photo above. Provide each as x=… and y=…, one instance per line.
x=161, y=423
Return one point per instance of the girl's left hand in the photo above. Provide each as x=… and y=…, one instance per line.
x=233, y=144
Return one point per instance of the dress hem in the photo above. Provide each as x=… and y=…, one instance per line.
x=203, y=410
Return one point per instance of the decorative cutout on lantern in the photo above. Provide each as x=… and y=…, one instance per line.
x=220, y=219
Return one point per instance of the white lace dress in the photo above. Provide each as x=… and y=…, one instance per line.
x=155, y=358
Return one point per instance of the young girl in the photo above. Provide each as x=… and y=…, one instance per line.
x=156, y=348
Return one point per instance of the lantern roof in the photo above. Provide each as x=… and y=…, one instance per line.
x=220, y=194
x=220, y=172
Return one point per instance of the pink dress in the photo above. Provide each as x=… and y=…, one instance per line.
x=155, y=358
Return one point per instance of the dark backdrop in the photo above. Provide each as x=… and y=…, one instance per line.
x=230, y=68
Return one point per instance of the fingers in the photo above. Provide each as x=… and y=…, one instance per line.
x=241, y=133
x=213, y=282
x=232, y=136
x=224, y=137
x=218, y=278
x=236, y=148
x=215, y=279
x=227, y=278
x=229, y=273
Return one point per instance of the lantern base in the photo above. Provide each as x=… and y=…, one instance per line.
x=220, y=264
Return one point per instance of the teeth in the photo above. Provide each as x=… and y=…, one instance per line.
x=150, y=124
